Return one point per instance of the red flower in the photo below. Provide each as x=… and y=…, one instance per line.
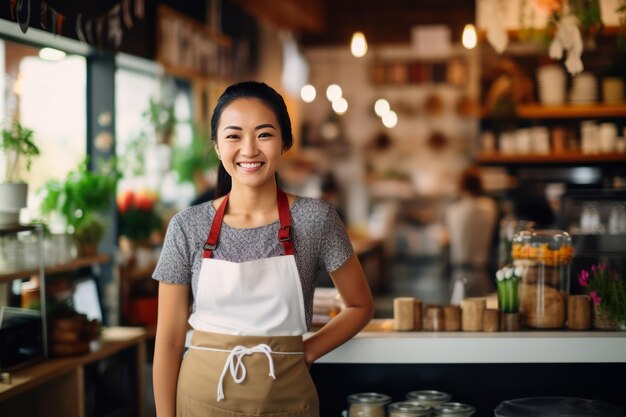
x=595, y=298
x=583, y=278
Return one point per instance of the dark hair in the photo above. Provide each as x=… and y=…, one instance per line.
x=470, y=181
x=255, y=90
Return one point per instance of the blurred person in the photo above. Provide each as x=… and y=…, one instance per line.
x=469, y=225
x=249, y=258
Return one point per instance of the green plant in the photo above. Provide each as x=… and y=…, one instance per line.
x=607, y=290
x=162, y=118
x=17, y=142
x=91, y=231
x=507, y=282
x=197, y=157
x=80, y=197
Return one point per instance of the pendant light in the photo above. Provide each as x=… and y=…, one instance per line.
x=308, y=93
x=358, y=46
x=469, y=37
x=333, y=92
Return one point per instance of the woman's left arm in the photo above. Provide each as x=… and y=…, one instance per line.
x=350, y=281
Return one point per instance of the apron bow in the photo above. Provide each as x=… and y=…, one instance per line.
x=234, y=362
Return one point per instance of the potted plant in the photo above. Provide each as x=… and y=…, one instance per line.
x=607, y=290
x=80, y=200
x=137, y=218
x=18, y=147
x=163, y=120
x=192, y=161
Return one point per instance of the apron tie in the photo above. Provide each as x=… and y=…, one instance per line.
x=234, y=362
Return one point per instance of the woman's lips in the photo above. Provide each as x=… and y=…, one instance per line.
x=250, y=166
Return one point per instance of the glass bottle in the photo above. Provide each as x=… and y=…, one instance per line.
x=367, y=404
x=545, y=257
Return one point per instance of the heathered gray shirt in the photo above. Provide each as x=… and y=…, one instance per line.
x=319, y=237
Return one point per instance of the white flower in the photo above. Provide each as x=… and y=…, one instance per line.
x=518, y=271
x=499, y=275
x=573, y=63
x=509, y=273
x=556, y=49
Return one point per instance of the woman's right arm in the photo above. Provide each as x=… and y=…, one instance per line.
x=169, y=345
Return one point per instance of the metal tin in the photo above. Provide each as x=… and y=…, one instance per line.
x=453, y=410
x=368, y=404
x=408, y=409
x=428, y=397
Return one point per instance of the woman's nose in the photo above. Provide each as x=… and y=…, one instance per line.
x=249, y=148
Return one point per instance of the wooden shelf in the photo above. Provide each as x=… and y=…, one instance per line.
x=537, y=111
x=55, y=269
x=566, y=111
x=564, y=158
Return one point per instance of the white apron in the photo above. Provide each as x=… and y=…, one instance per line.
x=248, y=321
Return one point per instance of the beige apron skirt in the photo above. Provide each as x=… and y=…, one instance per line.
x=291, y=394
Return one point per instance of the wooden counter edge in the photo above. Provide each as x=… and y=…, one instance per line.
x=112, y=340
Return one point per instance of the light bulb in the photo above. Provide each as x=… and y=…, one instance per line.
x=308, y=93
x=469, y=36
x=51, y=54
x=340, y=106
x=358, y=46
x=333, y=92
x=381, y=107
x=390, y=119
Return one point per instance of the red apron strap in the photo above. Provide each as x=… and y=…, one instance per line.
x=284, y=231
x=216, y=227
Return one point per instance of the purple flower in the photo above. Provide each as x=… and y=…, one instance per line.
x=583, y=278
x=593, y=268
x=595, y=298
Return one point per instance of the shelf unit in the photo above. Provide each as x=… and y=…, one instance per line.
x=562, y=158
x=565, y=111
x=41, y=270
x=98, y=259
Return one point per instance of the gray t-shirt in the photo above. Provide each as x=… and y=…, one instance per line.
x=319, y=237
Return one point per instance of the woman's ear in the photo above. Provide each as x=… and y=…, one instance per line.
x=217, y=152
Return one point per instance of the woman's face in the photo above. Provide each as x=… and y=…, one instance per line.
x=249, y=142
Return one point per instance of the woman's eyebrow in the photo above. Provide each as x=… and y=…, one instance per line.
x=265, y=125
x=233, y=127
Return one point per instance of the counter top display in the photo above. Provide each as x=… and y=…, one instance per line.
x=477, y=347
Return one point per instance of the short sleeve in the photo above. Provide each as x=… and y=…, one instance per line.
x=173, y=266
x=335, y=246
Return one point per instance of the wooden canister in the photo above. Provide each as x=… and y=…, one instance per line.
x=403, y=313
x=578, y=312
x=452, y=317
x=491, y=320
x=472, y=313
x=510, y=322
x=433, y=318
x=417, y=314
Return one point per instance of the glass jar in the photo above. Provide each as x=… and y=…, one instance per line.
x=453, y=410
x=428, y=397
x=408, y=409
x=367, y=404
x=545, y=257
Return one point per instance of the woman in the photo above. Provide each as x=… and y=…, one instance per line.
x=250, y=258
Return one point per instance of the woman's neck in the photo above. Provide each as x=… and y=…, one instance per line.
x=252, y=200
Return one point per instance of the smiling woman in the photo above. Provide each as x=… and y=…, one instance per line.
x=251, y=258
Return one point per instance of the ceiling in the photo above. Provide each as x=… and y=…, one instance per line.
x=332, y=22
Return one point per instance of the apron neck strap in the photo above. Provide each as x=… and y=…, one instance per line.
x=284, y=231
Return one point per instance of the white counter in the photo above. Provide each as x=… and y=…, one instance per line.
x=470, y=347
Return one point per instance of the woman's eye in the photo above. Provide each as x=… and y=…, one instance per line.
x=232, y=136
x=265, y=135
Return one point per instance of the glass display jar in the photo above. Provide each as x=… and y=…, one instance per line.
x=367, y=404
x=428, y=397
x=545, y=257
x=453, y=410
x=408, y=409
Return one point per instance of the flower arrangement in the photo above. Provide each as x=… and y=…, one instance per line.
x=507, y=281
x=607, y=290
x=138, y=217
